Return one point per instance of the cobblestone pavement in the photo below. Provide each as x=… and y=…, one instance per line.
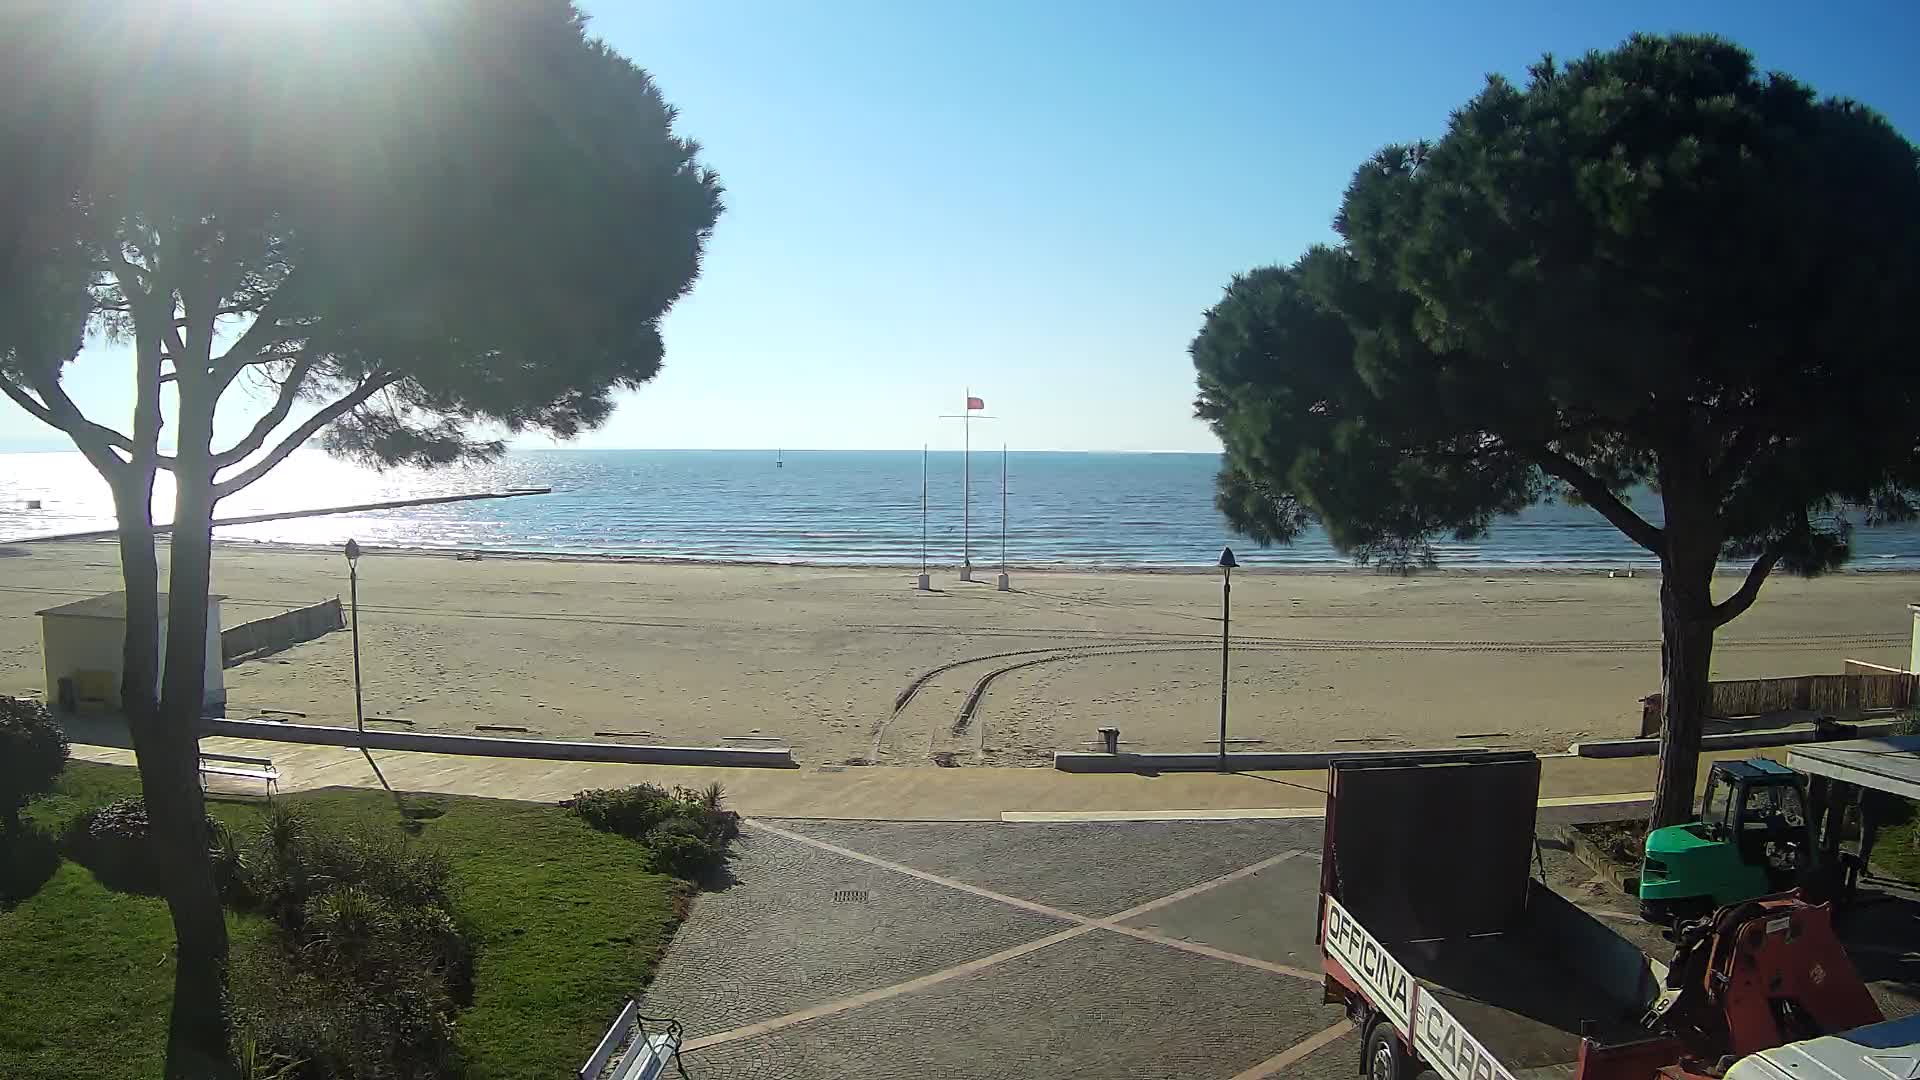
x=1164, y=949
x=985, y=950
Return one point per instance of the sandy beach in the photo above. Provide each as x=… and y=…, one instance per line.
x=853, y=666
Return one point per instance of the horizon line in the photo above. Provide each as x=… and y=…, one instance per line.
x=27, y=448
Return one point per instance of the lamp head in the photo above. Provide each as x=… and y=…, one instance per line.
x=1227, y=561
x=353, y=552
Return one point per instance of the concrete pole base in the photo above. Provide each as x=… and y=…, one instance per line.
x=966, y=572
x=1005, y=584
x=923, y=583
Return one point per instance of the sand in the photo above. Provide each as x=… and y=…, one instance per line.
x=819, y=658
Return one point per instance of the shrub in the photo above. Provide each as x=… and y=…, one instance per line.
x=114, y=841
x=33, y=751
x=631, y=812
x=295, y=1004
x=685, y=832
x=290, y=864
x=28, y=857
x=370, y=962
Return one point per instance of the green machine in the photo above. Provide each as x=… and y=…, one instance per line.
x=1753, y=838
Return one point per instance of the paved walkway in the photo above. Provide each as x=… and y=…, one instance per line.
x=887, y=793
x=1013, y=950
x=894, y=949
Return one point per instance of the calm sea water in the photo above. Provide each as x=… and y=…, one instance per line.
x=822, y=506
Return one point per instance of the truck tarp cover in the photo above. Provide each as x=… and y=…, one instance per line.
x=1421, y=851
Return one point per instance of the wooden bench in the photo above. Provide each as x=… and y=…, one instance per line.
x=246, y=768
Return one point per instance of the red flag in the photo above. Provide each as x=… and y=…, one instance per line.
x=975, y=403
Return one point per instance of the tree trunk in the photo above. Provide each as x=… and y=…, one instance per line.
x=197, y=1035
x=1686, y=662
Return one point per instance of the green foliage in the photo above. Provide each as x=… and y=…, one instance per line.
x=380, y=205
x=257, y=1064
x=89, y=977
x=339, y=1023
x=1652, y=266
x=29, y=855
x=33, y=750
x=290, y=863
x=685, y=831
x=114, y=841
x=370, y=964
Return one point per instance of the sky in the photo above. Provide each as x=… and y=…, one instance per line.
x=1037, y=201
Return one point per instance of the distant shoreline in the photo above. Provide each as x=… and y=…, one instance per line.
x=984, y=570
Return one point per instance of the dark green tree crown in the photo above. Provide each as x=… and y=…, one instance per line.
x=1656, y=265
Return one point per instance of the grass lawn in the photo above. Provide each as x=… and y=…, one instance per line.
x=570, y=922
x=1896, y=850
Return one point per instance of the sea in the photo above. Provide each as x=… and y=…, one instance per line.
x=829, y=507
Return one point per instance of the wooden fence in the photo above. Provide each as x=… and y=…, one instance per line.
x=279, y=631
x=1864, y=688
x=1834, y=695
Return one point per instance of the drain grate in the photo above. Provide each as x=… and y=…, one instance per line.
x=850, y=896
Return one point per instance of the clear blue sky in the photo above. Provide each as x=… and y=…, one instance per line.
x=1038, y=200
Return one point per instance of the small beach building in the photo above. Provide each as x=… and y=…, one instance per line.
x=82, y=643
x=1913, y=644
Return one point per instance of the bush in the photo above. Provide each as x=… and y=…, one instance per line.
x=290, y=864
x=370, y=962
x=28, y=857
x=33, y=751
x=114, y=841
x=297, y=1005
x=685, y=832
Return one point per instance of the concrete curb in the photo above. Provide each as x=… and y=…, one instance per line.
x=1081, y=761
x=483, y=746
x=1734, y=740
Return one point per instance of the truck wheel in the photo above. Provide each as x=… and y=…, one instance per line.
x=1386, y=1059
x=1672, y=913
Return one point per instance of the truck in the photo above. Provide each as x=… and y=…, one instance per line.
x=1450, y=956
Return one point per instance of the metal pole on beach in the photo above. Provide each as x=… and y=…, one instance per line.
x=1005, y=583
x=925, y=581
x=1227, y=563
x=966, y=488
x=353, y=601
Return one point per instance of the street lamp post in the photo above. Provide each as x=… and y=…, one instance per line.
x=353, y=601
x=1227, y=563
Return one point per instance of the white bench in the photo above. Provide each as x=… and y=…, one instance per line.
x=641, y=1057
x=245, y=768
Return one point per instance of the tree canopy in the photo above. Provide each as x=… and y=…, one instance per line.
x=412, y=228
x=1656, y=266
x=412, y=218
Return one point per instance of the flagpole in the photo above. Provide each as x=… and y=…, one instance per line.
x=925, y=582
x=966, y=488
x=966, y=418
x=1005, y=583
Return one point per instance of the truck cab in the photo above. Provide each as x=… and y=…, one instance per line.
x=1752, y=838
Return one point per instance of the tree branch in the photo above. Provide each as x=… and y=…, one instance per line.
x=301, y=434
x=59, y=413
x=263, y=427
x=26, y=401
x=1600, y=497
x=262, y=333
x=1729, y=609
x=134, y=281
x=1741, y=450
